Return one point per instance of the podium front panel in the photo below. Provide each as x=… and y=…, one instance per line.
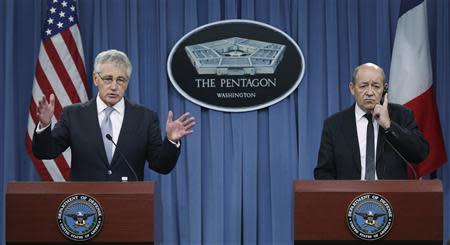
x=320, y=209
x=31, y=211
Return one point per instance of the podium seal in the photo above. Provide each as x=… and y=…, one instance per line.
x=370, y=216
x=79, y=217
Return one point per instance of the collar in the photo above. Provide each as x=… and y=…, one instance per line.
x=119, y=106
x=359, y=113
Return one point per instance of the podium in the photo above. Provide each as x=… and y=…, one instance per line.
x=320, y=210
x=31, y=211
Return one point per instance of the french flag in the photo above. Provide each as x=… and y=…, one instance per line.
x=411, y=80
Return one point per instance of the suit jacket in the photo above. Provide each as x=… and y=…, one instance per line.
x=339, y=156
x=139, y=140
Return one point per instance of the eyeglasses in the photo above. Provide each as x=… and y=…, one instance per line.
x=109, y=79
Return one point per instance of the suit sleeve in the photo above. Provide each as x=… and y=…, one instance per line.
x=326, y=166
x=162, y=155
x=50, y=143
x=407, y=139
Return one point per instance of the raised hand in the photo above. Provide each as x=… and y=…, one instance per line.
x=175, y=130
x=45, y=110
x=381, y=113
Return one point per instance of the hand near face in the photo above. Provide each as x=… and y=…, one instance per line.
x=179, y=128
x=381, y=113
x=45, y=110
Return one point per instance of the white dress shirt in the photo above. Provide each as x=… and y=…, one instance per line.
x=116, y=118
x=361, y=127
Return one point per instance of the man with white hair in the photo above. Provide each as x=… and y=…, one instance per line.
x=91, y=129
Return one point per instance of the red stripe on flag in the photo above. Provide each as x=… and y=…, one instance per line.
x=72, y=47
x=61, y=71
x=38, y=164
x=426, y=114
x=46, y=89
x=33, y=111
x=63, y=166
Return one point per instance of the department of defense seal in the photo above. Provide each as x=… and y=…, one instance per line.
x=80, y=217
x=370, y=216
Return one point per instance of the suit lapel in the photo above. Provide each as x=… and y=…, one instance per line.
x=380, y=142
x=127, y=124
x=350, y=130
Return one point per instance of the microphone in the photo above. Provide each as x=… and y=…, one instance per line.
x=403, y=158
x=108, y=136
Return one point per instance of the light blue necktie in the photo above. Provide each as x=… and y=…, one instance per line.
x=106, y=128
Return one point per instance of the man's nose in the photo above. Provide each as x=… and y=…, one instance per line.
x=370, y=91
x=114, y=85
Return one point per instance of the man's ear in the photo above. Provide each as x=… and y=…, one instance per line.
x=351, y=86
x=94, y=79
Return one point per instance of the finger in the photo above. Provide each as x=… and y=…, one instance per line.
x=376, y=111
x=188, y=132
x=188, y=121
x=44, y=100
x=42, y=105
x=376, y=115
x=386, y=101
x=189, y=126
x=183, y=117
x=52, y=101
x=170, y=117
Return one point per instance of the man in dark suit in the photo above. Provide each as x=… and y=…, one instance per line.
x=90, y=129
x=370, y=140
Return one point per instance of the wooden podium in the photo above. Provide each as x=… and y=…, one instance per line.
x=320, y=210
x=31, y=211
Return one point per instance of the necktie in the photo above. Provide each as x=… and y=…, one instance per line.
x=106, y=128
x=370, y=149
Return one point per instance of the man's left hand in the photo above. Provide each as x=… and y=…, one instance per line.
x=179, y=128
x=381, y=113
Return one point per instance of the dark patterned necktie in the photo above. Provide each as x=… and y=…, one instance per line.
x=370, y=149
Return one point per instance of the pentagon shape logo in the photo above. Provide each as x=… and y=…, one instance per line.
x=235, y=65
x=235, y=56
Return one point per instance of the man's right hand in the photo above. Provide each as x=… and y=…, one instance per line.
x=45, y=110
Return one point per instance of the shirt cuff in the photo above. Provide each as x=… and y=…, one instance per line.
x=392, y=130
x=177, y=144
x=40, y=130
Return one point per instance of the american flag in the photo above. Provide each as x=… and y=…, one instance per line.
x=59, y=70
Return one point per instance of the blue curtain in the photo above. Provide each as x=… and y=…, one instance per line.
x=233, y=181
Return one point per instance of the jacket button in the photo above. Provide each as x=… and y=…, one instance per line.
x=109, y=172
